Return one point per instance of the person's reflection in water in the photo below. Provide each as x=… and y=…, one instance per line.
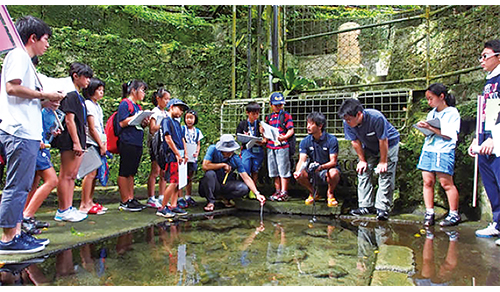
x=428, y=273
x=369, y=240
x=276, y=262
x=248, y=241
x=124, y=243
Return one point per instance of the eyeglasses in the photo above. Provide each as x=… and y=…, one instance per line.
x=487, y=56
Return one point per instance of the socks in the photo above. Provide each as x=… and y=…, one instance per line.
x=429, y=210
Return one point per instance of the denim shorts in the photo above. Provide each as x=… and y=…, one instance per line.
x=437, y=162
x=278, y=163
x=43, y=160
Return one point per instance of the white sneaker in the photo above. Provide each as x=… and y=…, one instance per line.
x=70, y=215
x=497, y=242
x=489, y=231
x=153, y=203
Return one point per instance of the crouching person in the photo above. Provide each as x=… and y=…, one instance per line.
x=218, y=164
x=321, y=149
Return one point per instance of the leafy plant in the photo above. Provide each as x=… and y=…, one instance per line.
x=290, y=81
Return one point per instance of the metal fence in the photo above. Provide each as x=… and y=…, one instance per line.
x=392, y=103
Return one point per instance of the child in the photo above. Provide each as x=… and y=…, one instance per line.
x=438, y=153
x=175, y=156
x=160, y=99
x=192, y=136
x=95, y=138
x=130, y=143
x=21, y=131
x=278, y=160
x=72, y=143
x=252, y=158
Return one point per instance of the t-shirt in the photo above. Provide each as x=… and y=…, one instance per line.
x=158, y=115
x=491, y=90
x=21, y=117
x=373, y=128
x=449, y=119
x=274, y=121
x=319, y=150
x=95, y=110
x=132, y=135
x=191, y=137
x=73, y=103
x=172, y=127
x=215, y=156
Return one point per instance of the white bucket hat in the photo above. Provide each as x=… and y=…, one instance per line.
x=227, y=143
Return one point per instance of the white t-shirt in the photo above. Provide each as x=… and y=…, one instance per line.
x=95, y=110
x=158, y=115
x=449, y=119
x=192, y=137
x=21, y=117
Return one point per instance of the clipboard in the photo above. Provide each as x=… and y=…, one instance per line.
x=434, y=123
x=139, y=117
x=183, y=176
x=249, y=140
x=91, y=161
x=271, y=133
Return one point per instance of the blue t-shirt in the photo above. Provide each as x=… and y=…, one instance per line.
x=319, y=150
x=373, y=128
x=131, y=135
x=215, y=156
x=172, y=127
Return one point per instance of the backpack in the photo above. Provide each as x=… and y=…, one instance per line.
x=112, y=129
x=158, y=150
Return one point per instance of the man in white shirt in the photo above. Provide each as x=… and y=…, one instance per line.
x=21, y=101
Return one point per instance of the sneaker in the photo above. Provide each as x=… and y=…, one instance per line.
x=138, y=204
x=274, y=197
x=182, y=203
x=251, y=195
x=428, y=219
x=362, y=211
x=131, y=206
x=497, y=242
x=490, y=231
x=28, y=238
x=70, y=215
x=29, y=226
x=191, y=202
x=450, y=220
x=452, y=235
x=38, y=224
x=165, y=212
x=153, y=203
x=178, y=211
x=281, y=197
x=382, y=215
x=19, y=245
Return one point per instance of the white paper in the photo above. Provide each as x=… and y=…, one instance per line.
x=63, y=85
x=271, y=133
x=250, y=140
x=434, y=123
x=139, y=117
x=183, y=175
x=191, y=149
x=495, y=133
x=91, y=161
x=491, y=113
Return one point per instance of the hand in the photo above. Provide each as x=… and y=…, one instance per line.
x=381, y=167
x=77, y=149
x=487, y=147
x=145, y=122
x=281, y=138
x=261, y=199
x=53, y=96
x=313, y=167
x=195, y=155
x=52, y=105
x=473, y=145
x=424, y=125
x=227, y=167
x=296, y=175
x=361, y=167
x=102, y=149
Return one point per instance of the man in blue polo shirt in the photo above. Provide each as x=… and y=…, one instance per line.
x=218, y=164
x=376, y=143
x=321, y=149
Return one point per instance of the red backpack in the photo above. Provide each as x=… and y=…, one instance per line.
x=112, y=129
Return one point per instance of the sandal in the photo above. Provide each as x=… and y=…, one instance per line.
x=228, y=203
x=209, y=207
x=96, y=209
x=331, y=202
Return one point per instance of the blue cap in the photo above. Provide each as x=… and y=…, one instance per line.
x=277, y=98
x=177, y=102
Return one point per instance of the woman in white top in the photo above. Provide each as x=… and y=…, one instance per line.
x=437, y=159
x=160, y=99
x=95, y=138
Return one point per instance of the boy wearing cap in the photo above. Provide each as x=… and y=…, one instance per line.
x=218, y=164
x=376, y=143
x=278, y=159
x=176, y=155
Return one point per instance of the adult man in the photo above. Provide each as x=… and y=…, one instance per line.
x=488, y=162
x=375, y=140
x=321, y=149
x=218, y=164
x=21, y=103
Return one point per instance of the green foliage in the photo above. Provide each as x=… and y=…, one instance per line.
x=290, y=81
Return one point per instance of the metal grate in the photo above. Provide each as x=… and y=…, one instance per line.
x=392, y=103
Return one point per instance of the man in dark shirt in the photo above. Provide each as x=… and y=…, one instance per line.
x=321, y=149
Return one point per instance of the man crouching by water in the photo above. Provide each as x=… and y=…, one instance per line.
x=218, y=164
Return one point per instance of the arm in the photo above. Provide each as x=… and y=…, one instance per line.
x=71, y=125
x=425, y=125
x=384, y=149
x=330, y=164
x=153, y=127
x=287, y=135
x=362, y=164
x=209, y=165
x=15, y=88
x=251, y=185
x=95, y=136
x=300, y=165
x=171, y=144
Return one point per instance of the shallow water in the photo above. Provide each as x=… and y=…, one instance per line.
x=283, y=250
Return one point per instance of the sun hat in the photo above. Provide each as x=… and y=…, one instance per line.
x=277, y=98
x=227, y=143
x=177, y=102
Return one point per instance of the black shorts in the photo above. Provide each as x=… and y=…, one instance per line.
x=130, y=158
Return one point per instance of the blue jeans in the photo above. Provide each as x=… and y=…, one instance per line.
x=21, y=160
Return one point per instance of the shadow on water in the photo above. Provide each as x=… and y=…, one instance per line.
x=280, y=250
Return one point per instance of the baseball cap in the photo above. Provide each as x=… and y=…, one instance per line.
x=177, y=102
x=277, y=98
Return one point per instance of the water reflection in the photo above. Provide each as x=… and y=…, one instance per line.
x=277, y=250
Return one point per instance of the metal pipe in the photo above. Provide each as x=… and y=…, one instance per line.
x=428, y=44
x=249, y=53
x=233, y=66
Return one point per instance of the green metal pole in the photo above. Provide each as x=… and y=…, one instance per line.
x=233, y=67
x=428, y=44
